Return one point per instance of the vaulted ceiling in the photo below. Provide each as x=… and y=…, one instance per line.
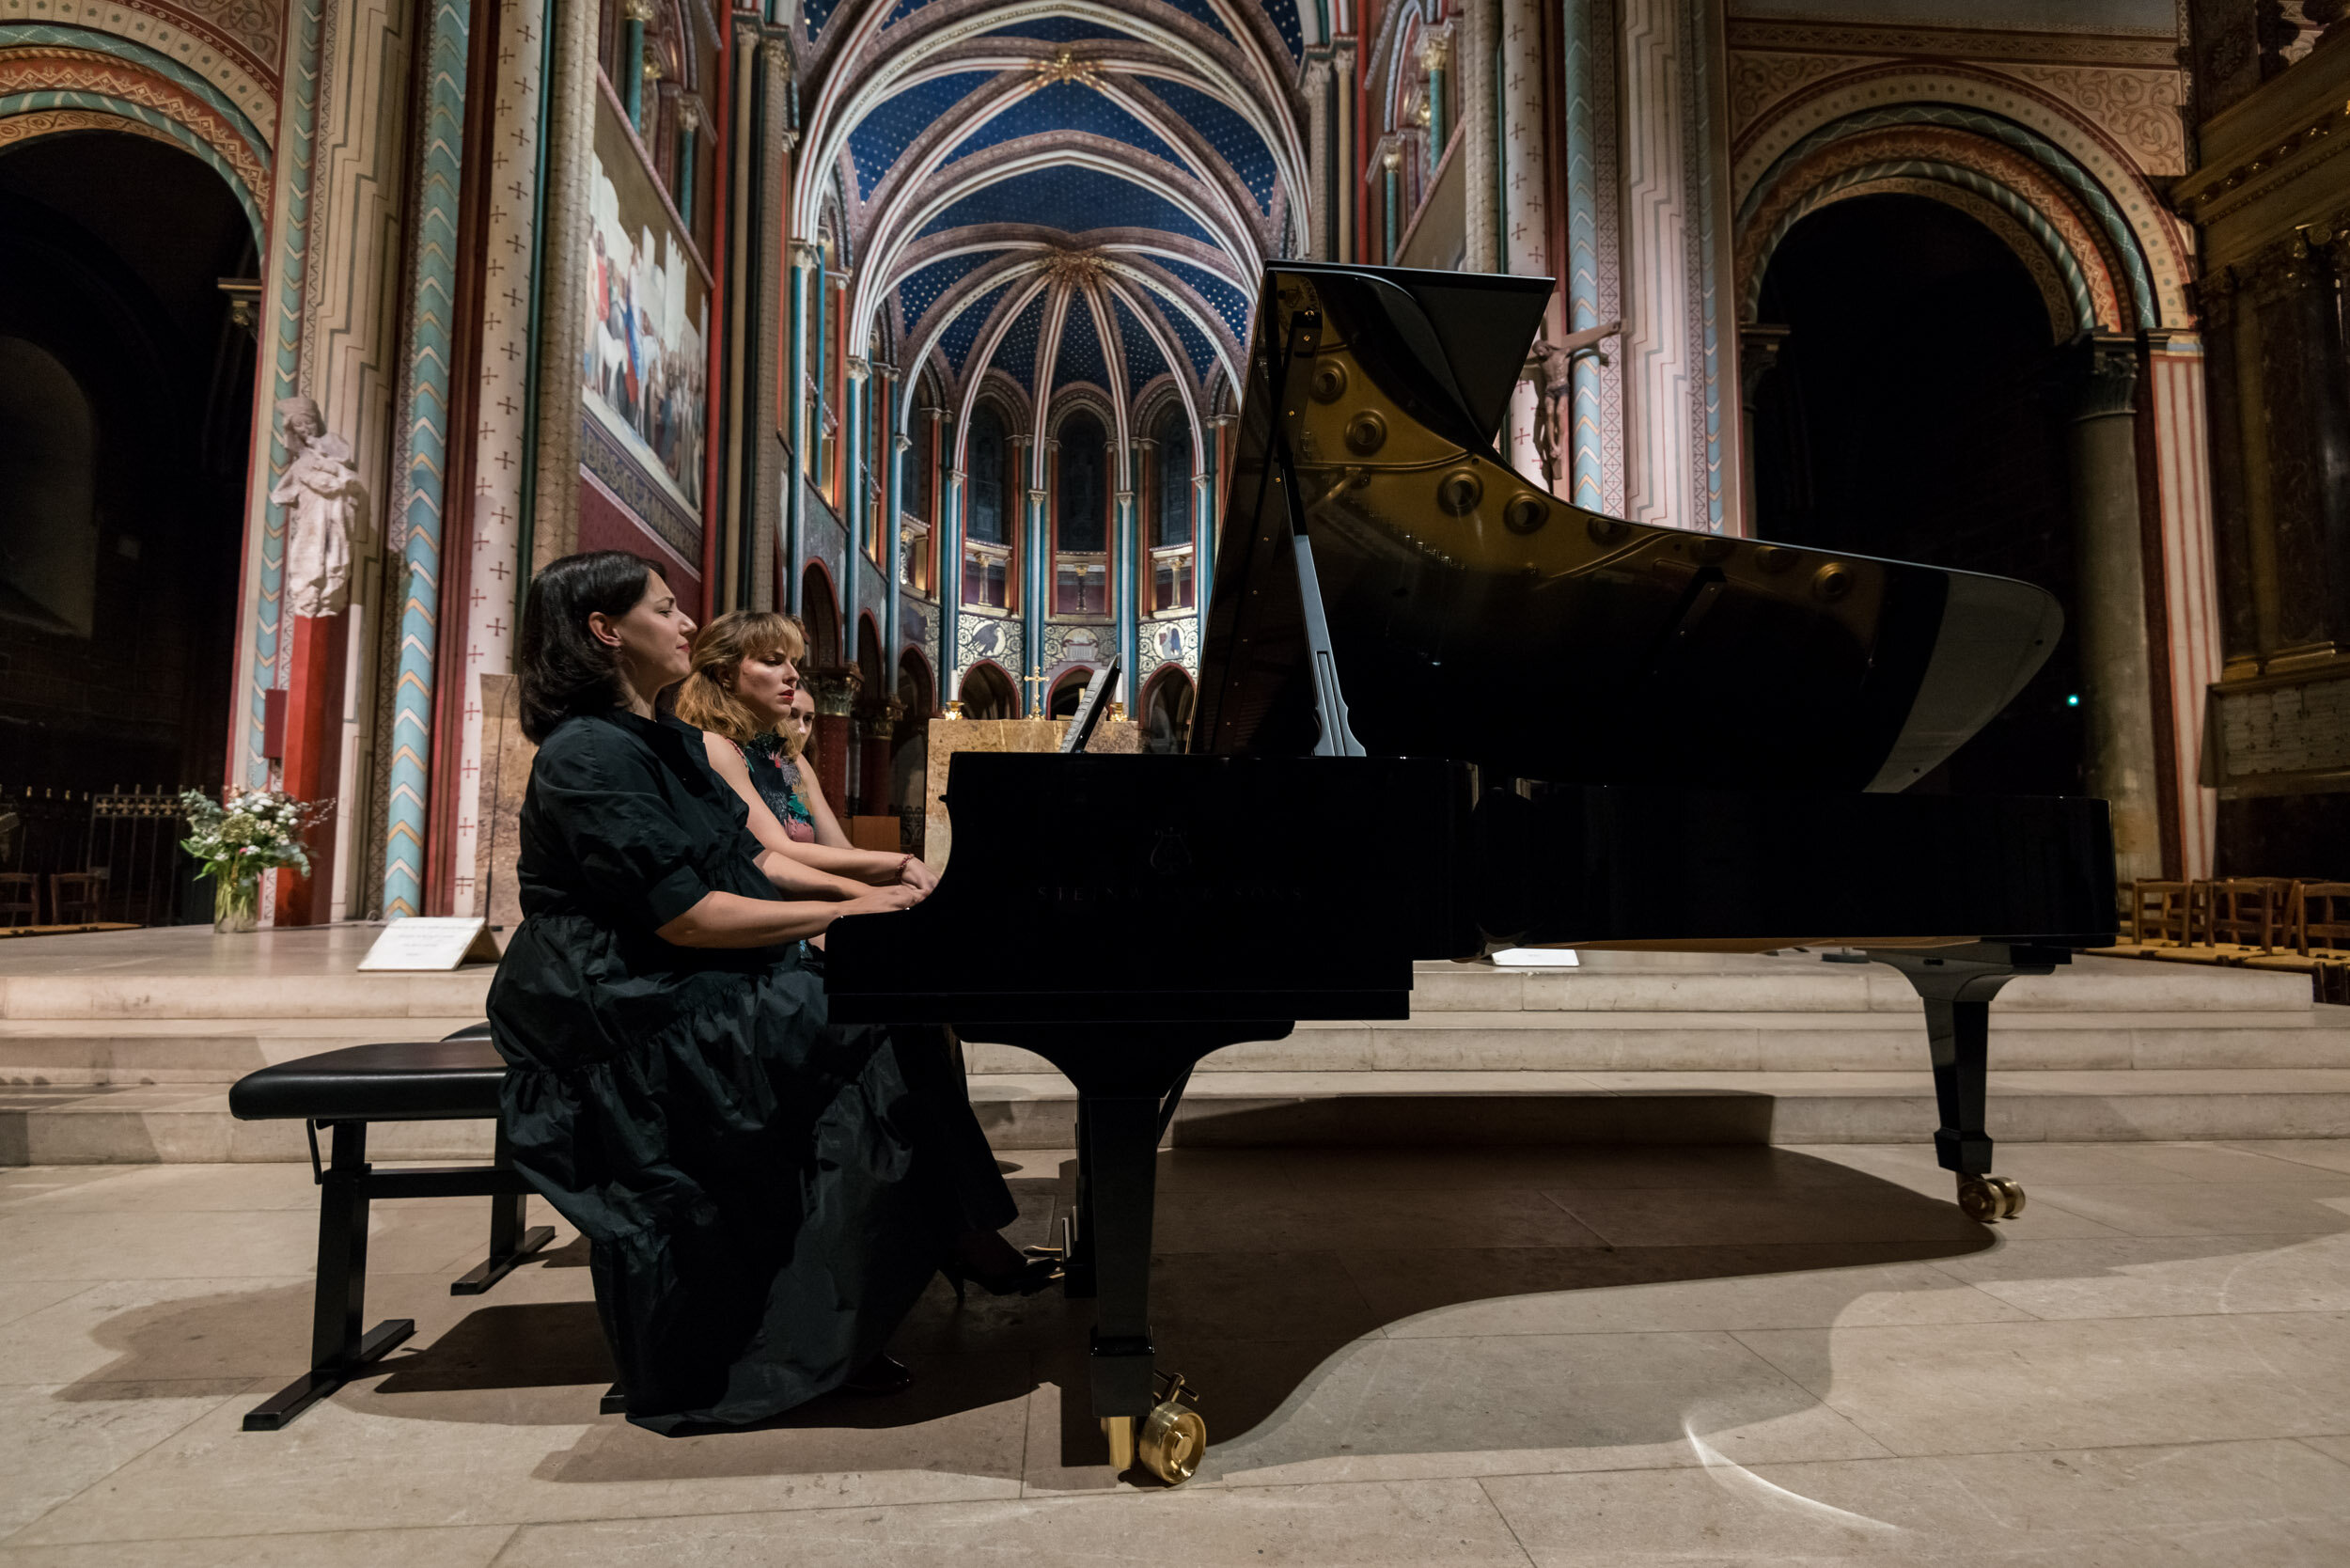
x=1057, y=193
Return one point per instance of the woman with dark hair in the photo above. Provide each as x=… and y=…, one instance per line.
x=764, y=1194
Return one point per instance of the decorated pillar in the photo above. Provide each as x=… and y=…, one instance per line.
x=949, y=587
x=798, y=424
x=1036, y=553
x=854, y=410
x=1580, y=273
x=689, y=121
x=2109, y=551
x=634, y=61
x=1481, y=122
x=1758, y=356
x=1127, y=557
x=1660, y=432
x=893, y=542
x=1390, y=198
x=2190, y=583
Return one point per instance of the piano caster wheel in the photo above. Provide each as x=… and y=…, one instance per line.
x=1986, y=1200
x=1119, y=1430
x=1173, y=1435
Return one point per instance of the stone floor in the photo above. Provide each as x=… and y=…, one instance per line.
x=1628, y=1356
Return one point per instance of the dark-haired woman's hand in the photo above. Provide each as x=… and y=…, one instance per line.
x=883, y=900
x=913, y=873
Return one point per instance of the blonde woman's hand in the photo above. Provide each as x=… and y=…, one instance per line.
x=913, y=872
x=883, y=900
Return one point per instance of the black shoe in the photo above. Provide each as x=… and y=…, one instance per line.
x=882, y=1374
x=1024, y=1278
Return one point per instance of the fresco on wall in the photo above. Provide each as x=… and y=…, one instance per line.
x=644, y=374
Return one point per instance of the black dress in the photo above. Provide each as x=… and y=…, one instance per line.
x=764, y=1195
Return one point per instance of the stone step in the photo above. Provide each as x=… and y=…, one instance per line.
x=1765, y=1041
x=303, y=995
x=1803, y=982
x=128, y=1052
x=166, y=1124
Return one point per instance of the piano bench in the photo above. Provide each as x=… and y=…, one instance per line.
x=455, y=1079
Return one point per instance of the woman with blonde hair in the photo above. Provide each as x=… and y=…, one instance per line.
x=741, y=695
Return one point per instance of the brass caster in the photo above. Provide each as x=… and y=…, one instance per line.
x=1173, y=1435
x=1986, y=1200
x=1119, y=1430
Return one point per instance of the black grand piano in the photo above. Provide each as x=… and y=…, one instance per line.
x=1441, y=713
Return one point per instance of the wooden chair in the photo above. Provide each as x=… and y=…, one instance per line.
x=2321, y=919
x=20, y=898
x=78, y=898
x=2248, y=914
x=2164, y=914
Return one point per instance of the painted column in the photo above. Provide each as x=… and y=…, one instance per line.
x=796, y=422
x=425, y=461
x=1581, y=270
x=1480, y=110
x=949, y=587
x=1660, y=433
x=877, y=724
x=854, y=410
x=893, y=541
x=689, y=120
x=501, y=452
x=1036, y=552
x=1126, y=555
x=633, y=61
x=1758, y=356
x=2182, y=446
x=552, y=516
x=1432, y=60
x=2107, y=548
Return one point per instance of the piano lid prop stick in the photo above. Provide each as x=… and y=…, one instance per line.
x=1090, y=709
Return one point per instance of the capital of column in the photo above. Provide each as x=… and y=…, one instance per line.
x=689, y=116
x=805, y=256
x=858, y=368
x=879, y=718
x=636, y=11
x=834, y=687
x=2110, y=378
x=1759, y=346
x=1390, y=154
x=901, y=441
x=1124, y=497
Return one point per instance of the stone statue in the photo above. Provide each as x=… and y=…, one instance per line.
x=321, y=490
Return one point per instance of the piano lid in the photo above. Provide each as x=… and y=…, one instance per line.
x=1472, y=615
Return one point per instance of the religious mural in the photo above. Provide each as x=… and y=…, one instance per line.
x=644, y=374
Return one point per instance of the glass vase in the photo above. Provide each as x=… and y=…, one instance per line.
x=236, y=906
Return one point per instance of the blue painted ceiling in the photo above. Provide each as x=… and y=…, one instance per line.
x=995, y=114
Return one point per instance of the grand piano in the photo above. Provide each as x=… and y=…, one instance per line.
x=1442, y=713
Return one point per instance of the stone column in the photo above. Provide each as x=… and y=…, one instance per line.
x=634, y=61
x=689, y=121
x=1659, y=436
x=1480, y=110
x=2111, y=568
x=1390, y=199
x=1580, y=268
x=1127, y=557
x=855, y=406
x=893, y=540
x=950, y=583
x=1036, y=555
x=836, y=688
x=2182, y=443
x=2305, y=384
x=798, y=426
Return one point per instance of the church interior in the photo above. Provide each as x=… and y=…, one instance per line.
x=952, y=329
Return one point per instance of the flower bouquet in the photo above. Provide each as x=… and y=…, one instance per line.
x=239, y=837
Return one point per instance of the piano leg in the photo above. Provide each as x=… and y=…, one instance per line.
x=1957, y=985
x=1119, y=1177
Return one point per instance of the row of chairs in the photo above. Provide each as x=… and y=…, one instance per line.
x=2262, y=922
x=75, y=897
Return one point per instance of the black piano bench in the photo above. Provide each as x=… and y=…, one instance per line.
x=456, y=1079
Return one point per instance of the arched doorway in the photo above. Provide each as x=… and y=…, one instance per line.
x=1068, y=692
x=1919, y=410
x=909, y=757
x=988, y=693
x=820, y=617
x=1166, y=711
x=126, y=398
